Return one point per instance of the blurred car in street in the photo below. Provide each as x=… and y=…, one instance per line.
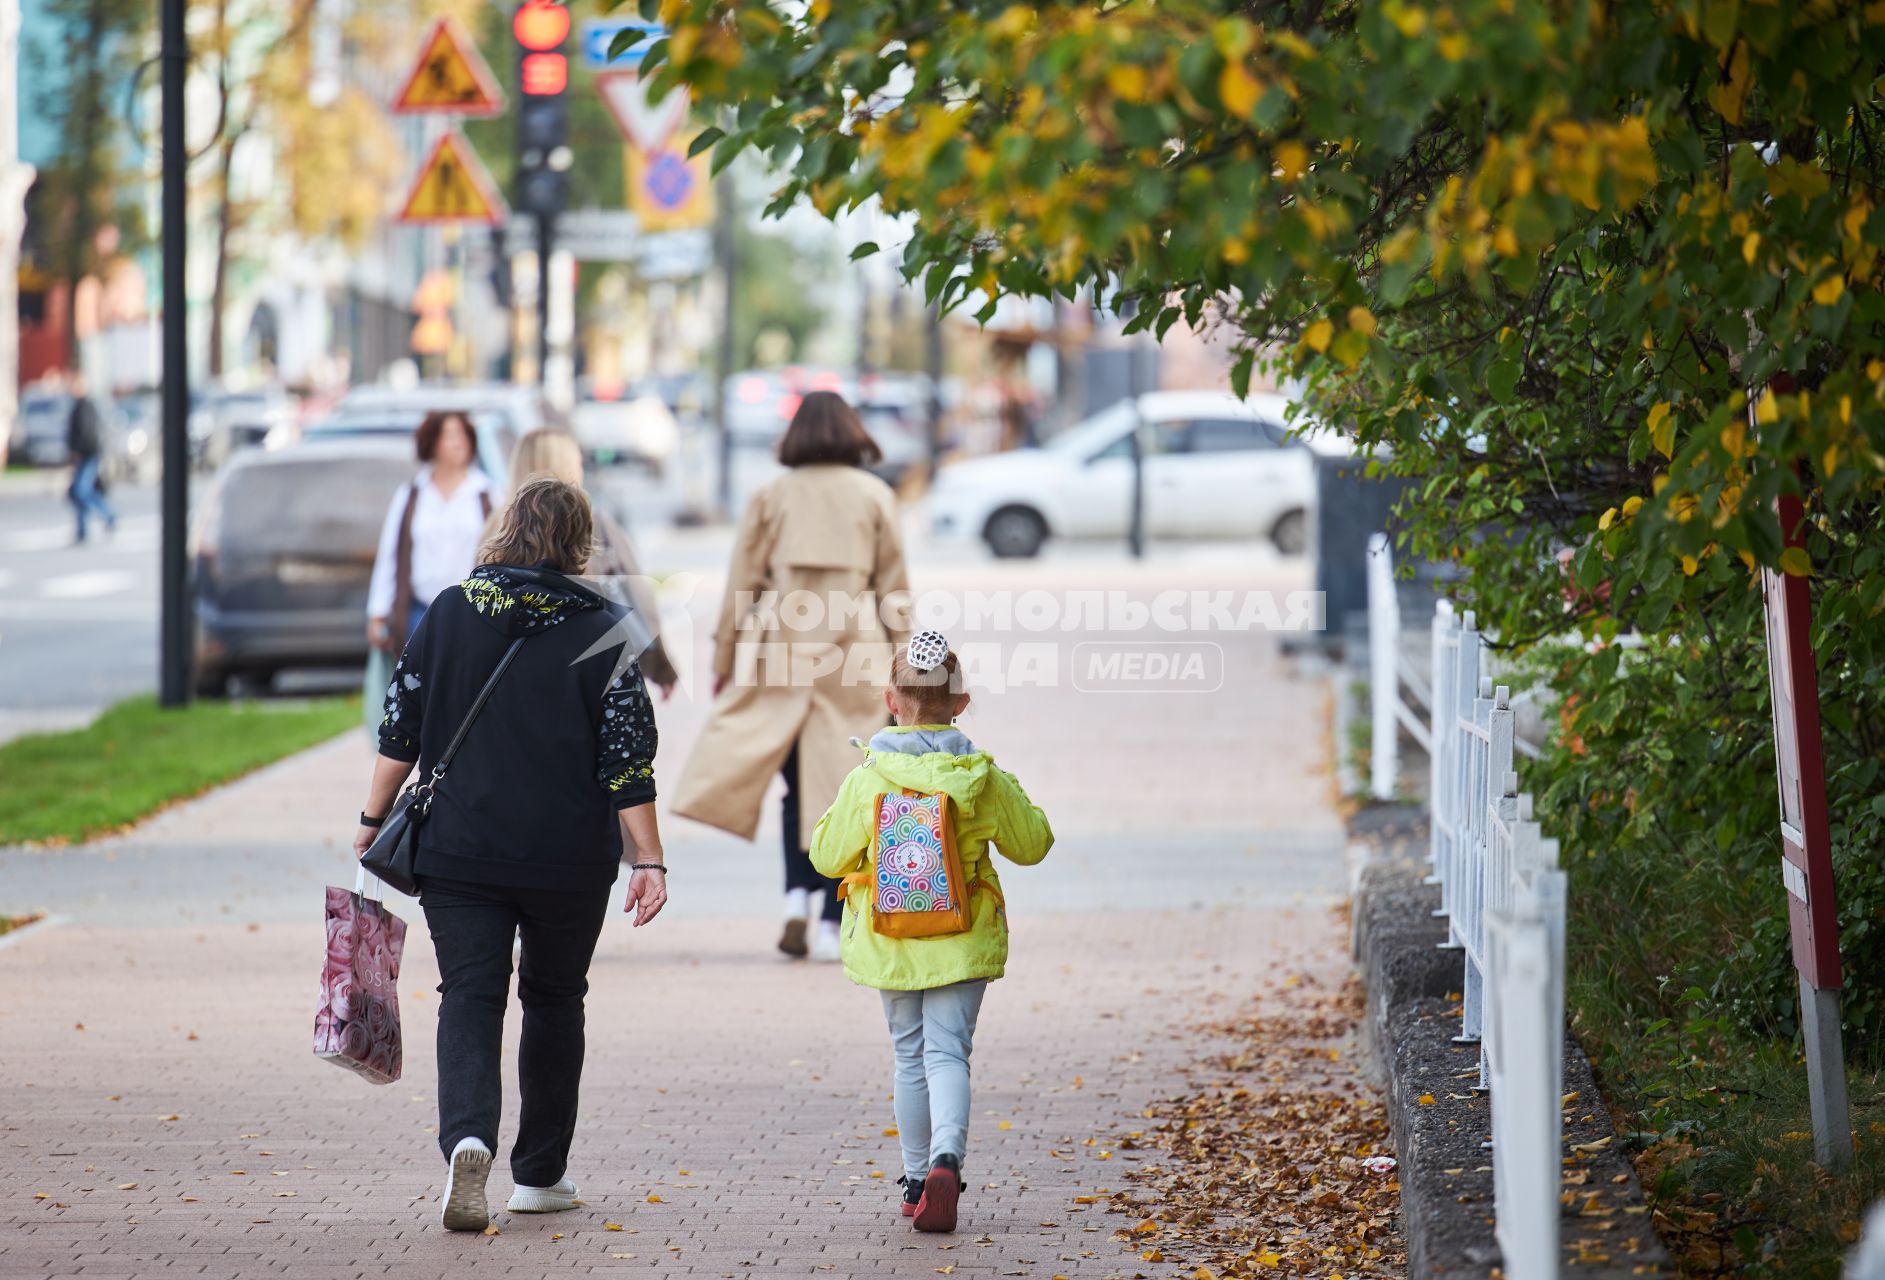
x=284, y=547
x=283, y=551
x=620, y=424
x=501, y=412
x=760, y=402
x=232, y=420
x=685, y=394
x=1215, y=467
x=128, y=447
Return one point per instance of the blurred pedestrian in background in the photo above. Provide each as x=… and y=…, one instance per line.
x=83, y=441
x=550, y=784
x=550, y=452
x=433, y=526
x=789, y=698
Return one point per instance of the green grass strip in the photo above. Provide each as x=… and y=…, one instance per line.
x=135, y=759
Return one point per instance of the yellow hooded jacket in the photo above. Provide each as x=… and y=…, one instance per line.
x=992, y=813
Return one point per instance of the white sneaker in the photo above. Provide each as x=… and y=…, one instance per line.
x=825, y=944
x=463, y=1207
x=563, y=1195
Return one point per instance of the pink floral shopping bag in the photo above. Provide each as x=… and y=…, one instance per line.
x=356, y=1024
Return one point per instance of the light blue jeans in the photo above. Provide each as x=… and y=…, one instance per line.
x=933, y=1032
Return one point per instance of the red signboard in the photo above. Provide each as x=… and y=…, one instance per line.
x=1805, y=843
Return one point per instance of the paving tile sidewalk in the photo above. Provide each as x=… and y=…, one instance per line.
x=162, y=1100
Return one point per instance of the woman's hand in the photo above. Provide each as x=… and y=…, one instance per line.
x=647, y=894
x=363, y=840
x=719, y=682
x=377, y=633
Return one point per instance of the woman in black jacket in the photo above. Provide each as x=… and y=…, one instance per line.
x=526, y=831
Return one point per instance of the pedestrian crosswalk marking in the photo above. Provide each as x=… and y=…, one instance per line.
x=88, y=585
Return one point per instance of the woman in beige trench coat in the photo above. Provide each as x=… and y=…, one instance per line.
x=816, y=597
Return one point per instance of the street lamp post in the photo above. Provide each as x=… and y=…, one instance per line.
x=174, y=627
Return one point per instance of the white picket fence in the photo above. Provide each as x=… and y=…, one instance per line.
x=1503, y=899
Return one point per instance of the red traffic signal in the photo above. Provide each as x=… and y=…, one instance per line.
x=541, y=25
x=545, y=74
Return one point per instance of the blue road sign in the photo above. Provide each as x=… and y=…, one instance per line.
x=599, y=34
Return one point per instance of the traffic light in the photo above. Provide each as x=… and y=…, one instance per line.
x=541, y=27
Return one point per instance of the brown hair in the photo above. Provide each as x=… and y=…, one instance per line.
x=546, y=519
x=931, y=695
x=427, y=437
x=826, y=429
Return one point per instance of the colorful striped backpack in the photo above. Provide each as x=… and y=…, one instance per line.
x=917, y=886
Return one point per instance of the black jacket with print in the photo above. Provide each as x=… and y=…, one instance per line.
x=567, y=738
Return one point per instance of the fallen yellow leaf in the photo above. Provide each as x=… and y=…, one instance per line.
x=611, y=1226
x=1003, y=1125
x=1152, y=1255
x=653, y=1199
x=491, y=1230
x=1426, y=1099
x=127, y=1186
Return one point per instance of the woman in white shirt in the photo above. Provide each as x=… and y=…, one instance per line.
x=433, y=526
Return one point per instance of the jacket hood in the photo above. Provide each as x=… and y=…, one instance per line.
x=930, y=758
x=521, y=601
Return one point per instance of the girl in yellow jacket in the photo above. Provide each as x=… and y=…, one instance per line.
x=932, y=986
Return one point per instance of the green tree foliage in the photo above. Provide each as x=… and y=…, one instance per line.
x=1544, y=251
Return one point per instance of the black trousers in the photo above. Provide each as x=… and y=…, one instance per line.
x=799, y=872
x=473, y=926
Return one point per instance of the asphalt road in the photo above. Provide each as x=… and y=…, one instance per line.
x=78, y=624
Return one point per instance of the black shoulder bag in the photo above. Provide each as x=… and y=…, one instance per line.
x=393, y=855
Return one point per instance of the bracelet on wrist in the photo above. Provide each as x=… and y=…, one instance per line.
x=662, y=867
x=371, y=822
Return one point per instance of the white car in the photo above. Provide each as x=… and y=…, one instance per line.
x=1215, y=467
x=641, y=430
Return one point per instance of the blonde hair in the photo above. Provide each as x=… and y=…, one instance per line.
x=929, y=695
x=547, y=451
x=546, y=519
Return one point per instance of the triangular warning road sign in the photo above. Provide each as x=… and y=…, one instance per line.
x=450, y=78
x=452, y=186
x=647, y=124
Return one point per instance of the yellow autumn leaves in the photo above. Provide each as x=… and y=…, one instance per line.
x=1346, y=347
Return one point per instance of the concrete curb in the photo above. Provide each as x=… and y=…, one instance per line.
x=41, y=925
x=1446, y=1178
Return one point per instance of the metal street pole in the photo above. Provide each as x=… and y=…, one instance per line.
x=174, y=627
x=546, y=241
x=933, y=365
x=727, y=252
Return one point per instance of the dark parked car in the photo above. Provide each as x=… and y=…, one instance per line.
x=284, y=551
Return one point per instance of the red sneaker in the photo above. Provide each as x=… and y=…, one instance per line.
x=936, y=1210
x=912, y=1195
